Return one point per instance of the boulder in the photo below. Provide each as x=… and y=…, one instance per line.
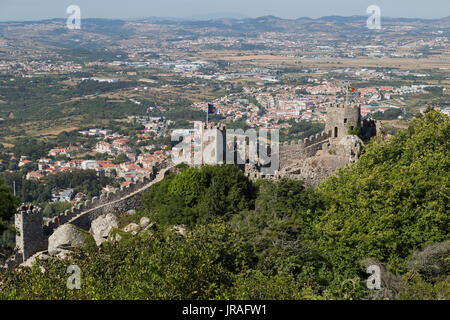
x=180, y=229
x=99, y=240
x=144, y=222
x=101, y=227
x=131, y=212
x=66, y=236
x=132, y=227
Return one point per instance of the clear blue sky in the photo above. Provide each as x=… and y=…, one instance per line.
x=42, y=9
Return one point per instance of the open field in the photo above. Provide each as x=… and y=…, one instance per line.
x=7, y=145
x=243, y=56
x=47, y=128
x=435, y=62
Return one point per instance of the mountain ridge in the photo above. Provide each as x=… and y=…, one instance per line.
x=201, y=18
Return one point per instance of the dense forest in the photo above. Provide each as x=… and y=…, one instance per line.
x=278, y=239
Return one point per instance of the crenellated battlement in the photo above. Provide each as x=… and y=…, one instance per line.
x=318, y=137
x=344, y=105
x=30, y=235
x=33, y=234
x=317, y=157
x=299, y=149
x=293, y=142
x=95, y=202
x=212, y=126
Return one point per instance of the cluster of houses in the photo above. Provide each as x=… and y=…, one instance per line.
x=47, y=166
x=67, y=195
x=127, y=172
x=154, y=126
x=70, y=151
x=26, y=67
x=116, y=147
x=276, y=105
x=133, y=168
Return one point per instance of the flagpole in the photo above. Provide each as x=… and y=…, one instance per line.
x=207, y=116
x=346, y=94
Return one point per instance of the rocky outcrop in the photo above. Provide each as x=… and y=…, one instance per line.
x=144, y=222
x=179, y=229
x=66, y=237
x=101, y=227
x=38, y=256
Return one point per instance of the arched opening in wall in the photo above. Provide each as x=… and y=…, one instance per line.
x=335, y=132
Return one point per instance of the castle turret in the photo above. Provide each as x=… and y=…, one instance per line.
x=342, y=117
x=213, y=143
x=30, y=233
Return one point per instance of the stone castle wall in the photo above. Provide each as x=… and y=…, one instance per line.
x=302, y=148
x=98, y=204
x=33, y=234
x=315, y=158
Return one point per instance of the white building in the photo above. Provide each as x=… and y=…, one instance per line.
x=89, y=164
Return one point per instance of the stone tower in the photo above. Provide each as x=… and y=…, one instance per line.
x=341, y=117
x=30, y=233
x=213, y=143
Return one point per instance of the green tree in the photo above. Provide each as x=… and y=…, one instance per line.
x=391, y=202
x=152, y=265
x=8, y=205
x=48, y=211
x=199, y=195
x=121, y=158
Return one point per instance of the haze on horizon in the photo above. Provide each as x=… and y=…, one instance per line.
x=20, y=10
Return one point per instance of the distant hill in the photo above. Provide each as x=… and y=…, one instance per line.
x=239, y=18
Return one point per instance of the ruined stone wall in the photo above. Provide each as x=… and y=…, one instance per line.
x=311, y=177
x=292, y=150
x=299, y=149
x=104, y=199
x=84, y=220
